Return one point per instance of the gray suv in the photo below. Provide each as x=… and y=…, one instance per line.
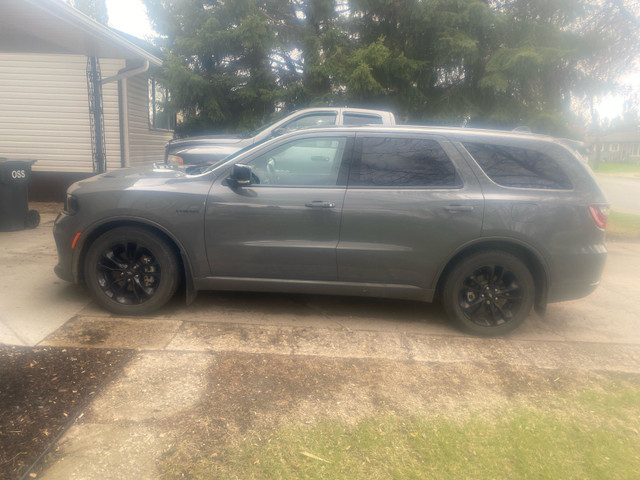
x=491, y=223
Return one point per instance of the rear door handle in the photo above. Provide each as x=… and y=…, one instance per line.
x=320, y=204
x=459, y=208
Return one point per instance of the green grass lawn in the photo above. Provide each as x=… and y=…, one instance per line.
x=589, y=435
x=618, y=168
x=623, y=226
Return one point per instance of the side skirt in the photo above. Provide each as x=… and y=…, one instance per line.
x=405, y=292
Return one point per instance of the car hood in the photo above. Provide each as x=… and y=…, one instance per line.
x=147, y=177
x=178, y=145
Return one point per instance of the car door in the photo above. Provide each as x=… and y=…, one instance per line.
x=285, y=224
x=407, y=208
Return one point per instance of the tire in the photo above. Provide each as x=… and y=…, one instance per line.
x=489, y=293
x=32, y=220
x=131, y=271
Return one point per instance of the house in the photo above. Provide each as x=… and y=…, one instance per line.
x=619, y=147
x=74, y=95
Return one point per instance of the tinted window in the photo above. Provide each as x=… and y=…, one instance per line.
x=518, y=167
x=355, y=119
x=301, y=162
x=403, y=162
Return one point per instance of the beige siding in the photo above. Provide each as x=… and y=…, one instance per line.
x=146, y=145
x=44, y=111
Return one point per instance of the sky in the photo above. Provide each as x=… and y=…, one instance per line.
x=130, y=16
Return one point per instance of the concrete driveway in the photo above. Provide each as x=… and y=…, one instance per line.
x=34, y=303
x=233, y=338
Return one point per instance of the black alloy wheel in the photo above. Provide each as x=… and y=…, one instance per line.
x=489, y=293
x=131, y=271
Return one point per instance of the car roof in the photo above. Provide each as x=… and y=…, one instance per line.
x=475, y=133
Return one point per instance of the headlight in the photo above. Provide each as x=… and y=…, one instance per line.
x=71, y=204
x=174, y=160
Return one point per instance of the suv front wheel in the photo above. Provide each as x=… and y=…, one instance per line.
x=131, y=271
x=489, y=293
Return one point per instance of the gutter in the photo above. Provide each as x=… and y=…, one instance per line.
x=122, y=77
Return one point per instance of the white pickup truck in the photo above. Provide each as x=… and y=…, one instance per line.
x=213, y=148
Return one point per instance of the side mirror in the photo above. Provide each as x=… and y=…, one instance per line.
x=240, y=176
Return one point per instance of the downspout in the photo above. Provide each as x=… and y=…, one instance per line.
x=121, y=77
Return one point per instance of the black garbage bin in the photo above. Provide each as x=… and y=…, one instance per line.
x=14, y=196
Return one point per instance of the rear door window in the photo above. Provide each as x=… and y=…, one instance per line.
x=403, y=162
x=518, y=167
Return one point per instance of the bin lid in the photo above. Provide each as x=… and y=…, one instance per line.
x=27, y=161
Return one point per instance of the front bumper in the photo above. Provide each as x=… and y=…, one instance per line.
x=63, y=233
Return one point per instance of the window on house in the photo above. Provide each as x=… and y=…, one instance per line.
x=158, y=117
x=614, y=147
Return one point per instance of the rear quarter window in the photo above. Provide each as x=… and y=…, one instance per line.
x=519, y=167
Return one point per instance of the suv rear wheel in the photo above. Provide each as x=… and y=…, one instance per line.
x=489, y=293
x=131, y=271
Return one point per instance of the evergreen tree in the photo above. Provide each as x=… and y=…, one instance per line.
x=501, y=63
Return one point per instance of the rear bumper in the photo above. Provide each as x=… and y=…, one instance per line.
x=578, y=275
x=571, y=291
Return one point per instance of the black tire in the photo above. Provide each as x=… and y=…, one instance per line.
x=489, y=293
x=32, y=220
x=131, y=271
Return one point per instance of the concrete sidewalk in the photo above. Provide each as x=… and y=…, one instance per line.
x=229, y=381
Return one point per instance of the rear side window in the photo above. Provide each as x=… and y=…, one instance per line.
x=356, y=119
x=519, y=167
x=403, y=162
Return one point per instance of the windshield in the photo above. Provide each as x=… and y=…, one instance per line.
x=263, y=128
x=213, y=166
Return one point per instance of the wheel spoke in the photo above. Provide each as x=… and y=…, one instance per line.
x=109, y=269
x=498, y=272
x=473, y=310
x=113, y=282
x=134, y=284
x=496, y=316
x=112, y=258
x=506, y=314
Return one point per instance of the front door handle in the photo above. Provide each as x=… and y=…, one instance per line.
x=459, y=208
x=320, y=204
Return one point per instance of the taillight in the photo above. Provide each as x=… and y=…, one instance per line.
x=599, y=213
